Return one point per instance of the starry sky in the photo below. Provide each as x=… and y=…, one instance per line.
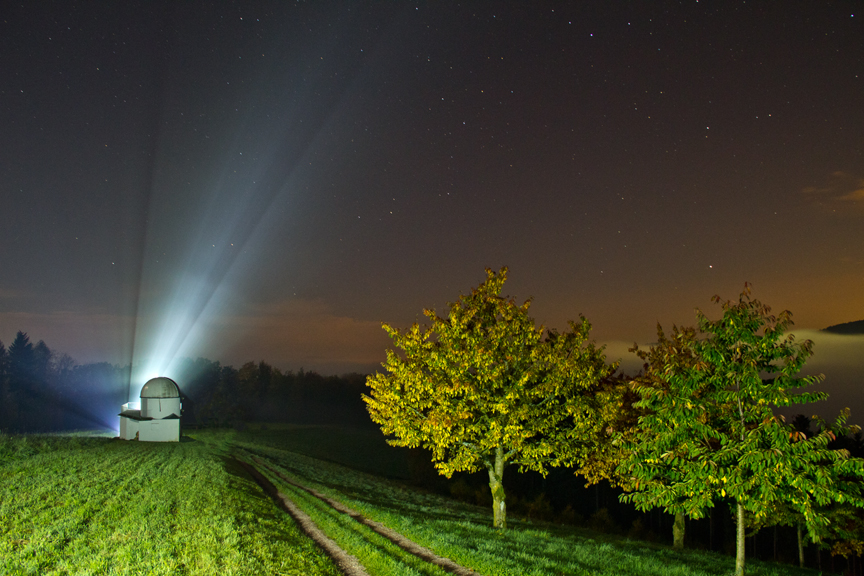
x=273, y=180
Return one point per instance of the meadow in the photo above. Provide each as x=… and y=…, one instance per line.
x=79, y=505
x=106, y=506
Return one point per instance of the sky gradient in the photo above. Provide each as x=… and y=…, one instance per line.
x=274, y=182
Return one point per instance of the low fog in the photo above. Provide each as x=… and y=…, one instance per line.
x=839, y=357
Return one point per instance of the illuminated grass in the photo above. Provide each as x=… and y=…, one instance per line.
x=378, y=555
x=97, y=506
x=462, y=532
x=88, y=505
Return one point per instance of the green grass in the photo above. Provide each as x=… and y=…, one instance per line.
x=99, y=506
x=377, y=554
x=463, y=533
x=90, y=505
x=364, y=450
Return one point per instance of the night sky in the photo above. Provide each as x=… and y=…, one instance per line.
x=248, y=181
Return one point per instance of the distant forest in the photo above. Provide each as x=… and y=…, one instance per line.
x=45, y=391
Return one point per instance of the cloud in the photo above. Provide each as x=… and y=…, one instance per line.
x=840, y=188
x=618, y=350
x=854, y=196
x=300, y=333
x=6, y=294
x=840, y=358
x=289, y=334
x=87, y=336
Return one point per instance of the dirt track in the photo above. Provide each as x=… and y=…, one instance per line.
x=395, y=537
x=348, y=564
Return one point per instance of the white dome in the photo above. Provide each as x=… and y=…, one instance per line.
x=160, y=388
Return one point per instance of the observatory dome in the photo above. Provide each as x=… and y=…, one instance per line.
x=160, y=388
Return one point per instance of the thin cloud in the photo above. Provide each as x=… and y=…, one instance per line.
x=840, y=189
x=6, y=294
x=307, y=333
x=86, y=336
x=854, y=196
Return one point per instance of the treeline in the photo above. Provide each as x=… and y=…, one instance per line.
x=41, y=390
x=227, y=396
x=45, y=391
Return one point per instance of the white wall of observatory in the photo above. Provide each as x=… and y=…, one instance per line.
x=160, y=431
x=128, y=428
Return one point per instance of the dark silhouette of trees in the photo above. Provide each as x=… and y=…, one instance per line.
x=42, y=390
x=5, y=393
x=21, y=361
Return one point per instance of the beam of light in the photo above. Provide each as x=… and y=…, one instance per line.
x=198, y=230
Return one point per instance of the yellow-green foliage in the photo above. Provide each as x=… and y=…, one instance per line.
x=101, y=506
x=485, y=378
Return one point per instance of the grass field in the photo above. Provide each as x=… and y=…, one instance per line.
x=103, y=506
x=463, y=532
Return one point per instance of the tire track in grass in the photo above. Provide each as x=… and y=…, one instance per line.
x=348, y=564
x=408, y=545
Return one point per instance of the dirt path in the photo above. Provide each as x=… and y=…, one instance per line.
x=348, y=564
x=395, y=537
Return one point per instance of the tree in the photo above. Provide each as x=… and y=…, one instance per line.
x=838, y=522
x=43, y=359
x=668, y=355
x=4, y=360
x=19, y=378
x=615, y=418
x=711, y=434
x=485, y=388
x=21, y=360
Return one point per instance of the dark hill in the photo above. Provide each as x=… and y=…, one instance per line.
x=856, y=327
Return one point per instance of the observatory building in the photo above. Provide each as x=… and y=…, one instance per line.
x=157, y=417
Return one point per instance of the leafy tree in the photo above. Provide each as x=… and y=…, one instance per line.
x=711, y=434
x=486, y=388
x=614, y=418
x=840, y=522
x=670, y=354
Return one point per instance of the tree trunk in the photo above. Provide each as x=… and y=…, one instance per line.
x=800, y=547
x=711, y=529
x=496, y=483
x=740, y=542
x=775, y=543
x=678, y=529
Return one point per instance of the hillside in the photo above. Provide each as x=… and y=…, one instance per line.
x=218, y=503
x=847, y=328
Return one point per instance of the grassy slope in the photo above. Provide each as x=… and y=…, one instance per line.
x=100, y=506
x=461, y=531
